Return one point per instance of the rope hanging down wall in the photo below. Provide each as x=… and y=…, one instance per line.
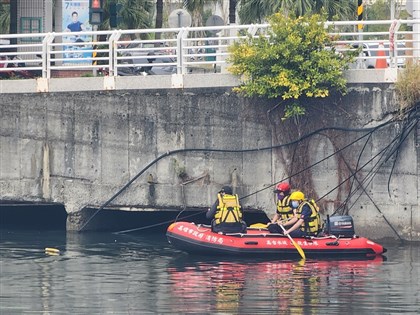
x=390, y=150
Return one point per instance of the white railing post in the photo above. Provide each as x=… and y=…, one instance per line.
x=178, y=51
x=112, y=55
x=46, y=55
x=181, y=54
x=44, y=59
x=252, y=30
x=193, y=50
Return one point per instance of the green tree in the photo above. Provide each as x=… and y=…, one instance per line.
x=337, y=10
x=134, y=14
x=257, y=11
x=381, y=10
x=196, y=8
x=254, y=11
x=294, y=60
x=4, y=18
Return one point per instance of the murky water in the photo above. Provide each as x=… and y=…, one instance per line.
x=122, y=274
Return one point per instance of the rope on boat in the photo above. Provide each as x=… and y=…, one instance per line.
x=155, y=225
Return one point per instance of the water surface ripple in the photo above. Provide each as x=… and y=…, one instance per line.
x=104, y=273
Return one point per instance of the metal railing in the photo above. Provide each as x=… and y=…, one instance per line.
x=182, y=50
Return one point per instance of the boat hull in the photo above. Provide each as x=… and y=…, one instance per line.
x=199, y=239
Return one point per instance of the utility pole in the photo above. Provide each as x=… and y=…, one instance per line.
x=95, y=18
x=360, y=64
x=13, y=21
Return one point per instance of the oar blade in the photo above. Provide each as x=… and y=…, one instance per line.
x=299, y=249
x=259, y=226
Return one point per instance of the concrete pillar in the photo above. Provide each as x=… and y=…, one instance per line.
x=48, y=16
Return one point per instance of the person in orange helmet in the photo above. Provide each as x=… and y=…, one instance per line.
x=283, y=212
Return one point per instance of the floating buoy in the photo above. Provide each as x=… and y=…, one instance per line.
x=52, y=251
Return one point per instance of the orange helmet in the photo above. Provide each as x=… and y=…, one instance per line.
x=285, y=187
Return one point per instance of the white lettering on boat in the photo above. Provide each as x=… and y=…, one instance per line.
x=275, y=242
x=285, y=242
x=200, y=235
x=214, y=239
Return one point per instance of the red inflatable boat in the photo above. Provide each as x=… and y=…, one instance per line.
x=197, y=238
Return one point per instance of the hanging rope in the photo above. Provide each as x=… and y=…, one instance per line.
x=169, y=153
x=368, y=132
x=157, y=224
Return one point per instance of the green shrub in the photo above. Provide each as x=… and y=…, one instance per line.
x=295, y=59
x=408, y=85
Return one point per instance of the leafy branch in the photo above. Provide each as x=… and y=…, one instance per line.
x=296, y=59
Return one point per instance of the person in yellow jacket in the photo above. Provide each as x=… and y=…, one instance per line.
x=226, y=213
x=284, y=211
x=307, y=221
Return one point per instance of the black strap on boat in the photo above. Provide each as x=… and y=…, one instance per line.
x=335, y=243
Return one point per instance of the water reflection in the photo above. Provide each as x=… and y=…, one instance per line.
x=102, y=273
x=238, y=286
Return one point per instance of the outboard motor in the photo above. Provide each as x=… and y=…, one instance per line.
x=340, y=226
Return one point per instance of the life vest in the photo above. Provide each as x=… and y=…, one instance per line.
x=283, y=208
x=228, y=209
x=313, y=225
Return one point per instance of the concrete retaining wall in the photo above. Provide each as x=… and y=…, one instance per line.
x=80, y=148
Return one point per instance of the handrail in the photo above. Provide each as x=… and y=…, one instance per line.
x=182, y=50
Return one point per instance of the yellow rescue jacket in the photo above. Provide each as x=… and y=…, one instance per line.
x=314, y=225
x=228, y=209
x=283, y=208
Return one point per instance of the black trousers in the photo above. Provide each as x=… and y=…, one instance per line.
x=237, y=227
x=275, y=228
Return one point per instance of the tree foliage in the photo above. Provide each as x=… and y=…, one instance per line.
x=4, y=18
x=134, y=14
x=381, y=10
x=294, y=60
x=257, y=11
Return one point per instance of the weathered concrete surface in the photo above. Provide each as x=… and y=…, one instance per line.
x=176, y=81
x=106, y=83
x=80, y=148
